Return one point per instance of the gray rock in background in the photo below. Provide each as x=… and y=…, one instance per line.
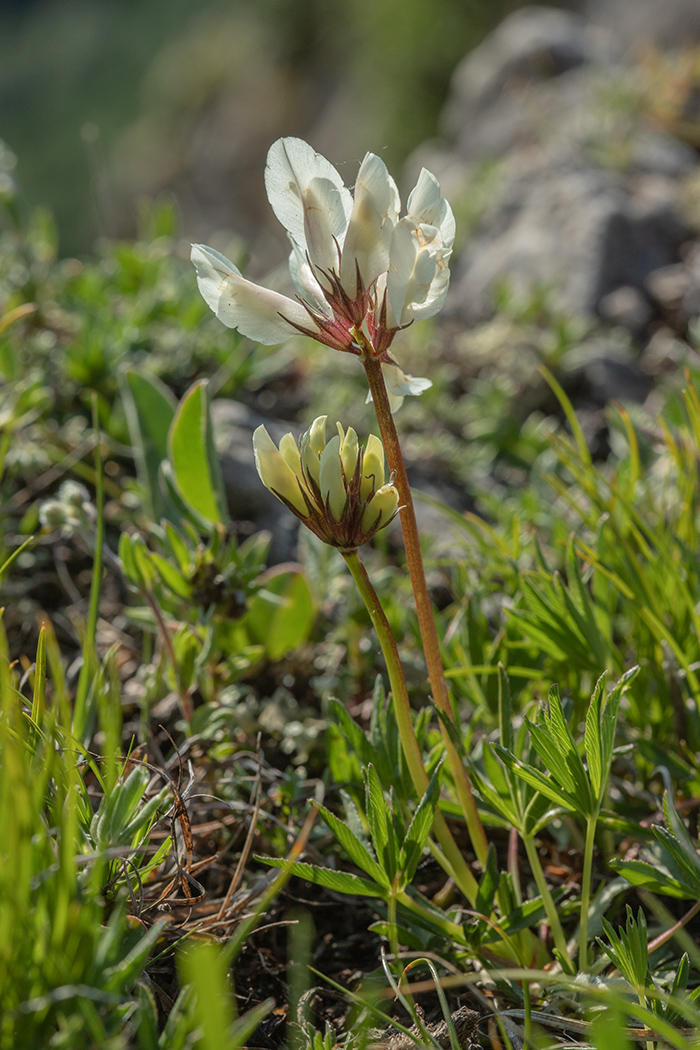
x=531, y=46
x=583, y=231
x=576, y=204
x=663, y=23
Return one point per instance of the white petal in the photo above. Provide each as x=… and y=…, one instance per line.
x=399, y=384
x=375, y=213
x=257, y=312
x=435, y=296
x=309, y=199
x=304, y=278
x=425, y=205
x=411, y=269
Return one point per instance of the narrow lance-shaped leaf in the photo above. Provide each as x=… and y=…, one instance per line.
x=419, y=829
x=489, y=884
x=546, y=785
x=381, y=827
x=654, y=879
x=505, y=709
x=355, y=850
x=339, y=881
x=555, y=745
x=592, y=737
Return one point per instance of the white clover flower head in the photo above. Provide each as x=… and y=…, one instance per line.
x=337, y=487
x=361, y=271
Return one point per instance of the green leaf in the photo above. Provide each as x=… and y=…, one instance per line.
x=380, y=824
x=522, y=917
x=340, y=881
x=488, y=884
x=628, y=949
x=419, y=829
x=280, y=616
x=553, y=742
x=546, y=785
x=179, y=548
x=150, y=408
x=404, y=935
x=638, y=873
x=505, y=710
x=687, y=865
x=592, y=737
x=39, y=692
x=355, y=849
x=687, y=848
x=601, y=723
x=193, y=456
x=171, y=576
x=678, y=988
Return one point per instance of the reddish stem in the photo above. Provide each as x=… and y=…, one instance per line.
x=424, y=607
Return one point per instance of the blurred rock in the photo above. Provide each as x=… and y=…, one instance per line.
x=531, y=46
x=600, y=371
x=675, y=289
x=581, y=230
x=584, y=195
x=628, y=308
x=671, y=24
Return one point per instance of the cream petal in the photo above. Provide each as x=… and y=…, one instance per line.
x=381, y=508
x=349, y=450
x=372, y=467
x=256, y=312
x=309, y=199
x=400, y=384
x=313, y=442
x=290, y=450
x=374, y=215
x=275, y=473
x=330, y=480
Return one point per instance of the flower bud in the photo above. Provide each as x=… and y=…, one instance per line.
x=337, y=487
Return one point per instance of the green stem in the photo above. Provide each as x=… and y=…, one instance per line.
x=459, y=869
x=82, y=717
x=591, y=823
x=424, y=608
x=549, y=906
x=391, y=921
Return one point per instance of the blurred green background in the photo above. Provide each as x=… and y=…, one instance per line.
x=106, y=101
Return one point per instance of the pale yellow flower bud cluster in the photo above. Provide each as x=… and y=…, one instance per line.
x=336, y=487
